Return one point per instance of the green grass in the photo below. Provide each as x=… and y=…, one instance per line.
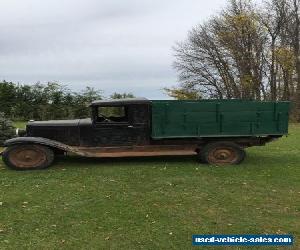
x=20, y=124
x=151, y=203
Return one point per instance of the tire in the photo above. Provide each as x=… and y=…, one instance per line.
x=222, y=153
x=28, y=157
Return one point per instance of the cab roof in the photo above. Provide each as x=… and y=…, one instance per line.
x=117, y=102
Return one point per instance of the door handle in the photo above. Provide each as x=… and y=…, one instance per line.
x=130, y=126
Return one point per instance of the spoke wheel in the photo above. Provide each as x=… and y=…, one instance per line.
x=24, y=157
x=222, y=153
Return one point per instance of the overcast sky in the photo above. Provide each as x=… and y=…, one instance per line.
x=107, y=44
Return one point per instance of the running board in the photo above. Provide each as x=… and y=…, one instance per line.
x=151, y=150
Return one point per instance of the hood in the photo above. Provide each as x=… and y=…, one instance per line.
x=55, y=123
x=58, y=123
x=64, y=131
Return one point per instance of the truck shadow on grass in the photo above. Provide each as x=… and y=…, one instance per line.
x=253, y=159
x=82, y=161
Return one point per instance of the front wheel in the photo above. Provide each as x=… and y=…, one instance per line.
x=28, y=157
x=222, y=153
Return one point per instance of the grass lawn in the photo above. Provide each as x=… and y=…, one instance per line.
x=20, y=124
x=151, y=203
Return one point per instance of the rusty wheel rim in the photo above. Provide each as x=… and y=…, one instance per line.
x=27, y=157
x=224, y=155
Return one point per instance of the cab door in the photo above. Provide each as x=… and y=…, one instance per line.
x=119, y=126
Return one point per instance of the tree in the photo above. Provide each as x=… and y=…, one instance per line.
x=7, y=131
x=201, y=64
x=82, y=101
x=121, y=95
x=48, y=101
x=246, y=51
x=242, y=37
x=273, y=18
x=7, y=97
x=183, y=93
x=223, y=57
x=295, y=35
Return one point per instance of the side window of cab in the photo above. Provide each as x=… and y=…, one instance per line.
x=112, y=114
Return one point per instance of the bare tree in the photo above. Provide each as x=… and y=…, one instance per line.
x=224, y=57
x=241, y=35
x=273, y=18
x=200, y=63
x=295, y=34
x=246, y=51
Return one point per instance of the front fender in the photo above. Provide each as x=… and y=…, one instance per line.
x=41, y=141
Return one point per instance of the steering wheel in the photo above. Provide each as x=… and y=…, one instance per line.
x=106, y=119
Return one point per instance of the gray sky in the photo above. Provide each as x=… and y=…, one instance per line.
x=107, y=44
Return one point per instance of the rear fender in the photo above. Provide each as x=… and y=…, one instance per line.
x=41, y=141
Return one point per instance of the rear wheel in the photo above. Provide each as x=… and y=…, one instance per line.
x=222, y=153
x=28, y=157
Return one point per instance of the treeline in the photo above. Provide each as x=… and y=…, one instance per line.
x=47, y=101
x=249, y=50
x=7, y=129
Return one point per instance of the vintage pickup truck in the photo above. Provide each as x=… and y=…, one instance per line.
x=217, y=131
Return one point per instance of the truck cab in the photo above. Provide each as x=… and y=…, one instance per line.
x=123, y=122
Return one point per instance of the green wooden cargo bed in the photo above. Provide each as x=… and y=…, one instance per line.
x=218, y=118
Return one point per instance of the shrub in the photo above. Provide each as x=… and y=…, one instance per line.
x=7, y=129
